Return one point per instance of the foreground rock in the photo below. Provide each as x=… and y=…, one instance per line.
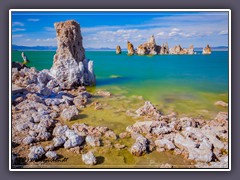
x=149, y=110
x=130, y=48
x=24, y=76
x=221, y=103
x=222, y=163
x=51, y=155
x=69, y=113
x=222, y=116
x=167, y=144
x=70, y=67
x=36, y=152
x=76, y=135
x=118, y=50
x=196, y=145
x=139, y=148
x=93, y=141
x=89, y=158
x=203, y=141
x=156, y=128
x=207, y=50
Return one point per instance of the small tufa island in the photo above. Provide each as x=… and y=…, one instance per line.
x=25, y=59
x=151, y=48
x=207, y=50
x=118, y=50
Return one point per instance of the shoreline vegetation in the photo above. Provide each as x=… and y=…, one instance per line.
x=58, y=123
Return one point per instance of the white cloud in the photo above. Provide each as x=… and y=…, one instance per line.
x=50, y=39
x=49, y=28
x=111, y=38
x=172, y=34
x=33, y=20
x=17, y=35
x=160, y=34
x=28, y=39
x=223, y=32
x=175, y=30
x=17, y=24
x=18, y=29
x=183, y=29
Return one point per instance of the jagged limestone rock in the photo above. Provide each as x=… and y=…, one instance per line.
x=89, y=158
x=179, y=50
x=191, y=50
x=149, y=47
x=25, y=59
x=70, y=67
x=207, y=50
x=164, y=49
x=130, y=48
x=118, y=50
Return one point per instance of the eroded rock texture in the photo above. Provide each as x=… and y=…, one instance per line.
x=130, y=48
x=179, y=50
x=207, y=50
x=70, y=66
x=164, y=49
x=118, y=50
x=149, y=47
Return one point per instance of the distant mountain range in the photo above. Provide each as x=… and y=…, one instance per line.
x=54, y=48
x=33, y=48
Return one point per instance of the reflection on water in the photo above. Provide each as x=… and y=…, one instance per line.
x=113, y=81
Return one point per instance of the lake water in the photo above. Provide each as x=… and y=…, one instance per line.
x=186, y=84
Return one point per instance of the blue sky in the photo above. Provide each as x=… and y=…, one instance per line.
x=109, y=29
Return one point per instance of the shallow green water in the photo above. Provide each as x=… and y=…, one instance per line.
x=187, y=84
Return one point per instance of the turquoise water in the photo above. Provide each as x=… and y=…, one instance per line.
x=183, y=83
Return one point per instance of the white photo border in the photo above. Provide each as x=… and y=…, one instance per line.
x=121, y=10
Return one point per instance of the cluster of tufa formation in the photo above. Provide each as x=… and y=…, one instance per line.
x=118, y=50
x=70, y=66
x=207, y=50
x=151, y=48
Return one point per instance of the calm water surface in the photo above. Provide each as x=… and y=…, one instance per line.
x=184, y=83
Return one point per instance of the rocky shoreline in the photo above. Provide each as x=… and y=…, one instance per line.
x=45, y=102
x=37, y=119
x=204, y=141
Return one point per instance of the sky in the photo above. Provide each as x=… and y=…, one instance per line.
x=109, y=29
